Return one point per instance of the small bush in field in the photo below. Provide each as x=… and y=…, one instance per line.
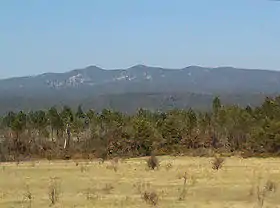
x=150, y=198
x=153, y=162
x=102, y=154
x=217, y=163
x=262, y=191
x=184, y=190
x=54, y=192
x=270, y=186
x=28, y=197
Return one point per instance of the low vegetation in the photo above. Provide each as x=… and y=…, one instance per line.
x=54, y=192
x=191, y=182
x=65, y=134
x=153, y=162
x=217, y=163
x=150, y=198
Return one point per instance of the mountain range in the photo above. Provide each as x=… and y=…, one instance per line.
x=138, y=86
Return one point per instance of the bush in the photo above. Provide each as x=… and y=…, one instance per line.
x=54, y=192
x=217, y=163
x=270, y=186
x=153, y=162
x=28, y=197
x=102, y=154
x=150, y=198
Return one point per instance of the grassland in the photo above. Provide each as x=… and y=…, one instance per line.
x=239, y=183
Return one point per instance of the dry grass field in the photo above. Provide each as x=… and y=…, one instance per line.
x=179, y=182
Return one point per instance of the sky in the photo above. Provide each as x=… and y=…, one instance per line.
x=38, y=36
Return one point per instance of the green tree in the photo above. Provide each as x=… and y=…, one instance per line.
x=78, y=125
x=67, y=118
x=39, y=121
x=80, y=113
x=55, y=122
x=216, y=105
x=9, y=119
x=266, y=139
x=171, y=130
x=18, y=125
x=145, y=136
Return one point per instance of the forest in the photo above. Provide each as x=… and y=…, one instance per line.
x=66, y=133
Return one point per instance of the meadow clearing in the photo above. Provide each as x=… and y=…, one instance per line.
x=179, y=182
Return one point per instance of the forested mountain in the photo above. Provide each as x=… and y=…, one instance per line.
x=138, y=86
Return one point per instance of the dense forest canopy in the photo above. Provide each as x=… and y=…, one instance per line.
x=74, y=133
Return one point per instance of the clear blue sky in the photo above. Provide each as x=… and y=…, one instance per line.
x=59, y=35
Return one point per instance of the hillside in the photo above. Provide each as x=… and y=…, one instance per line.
x=139, y=86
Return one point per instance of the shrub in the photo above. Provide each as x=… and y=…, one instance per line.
x=184, y=190
x=217, y=163
x=101, y=154
x=54, y=192
x=150, y=198
x=153, y=162
x=270, y=186
x=261, y=191
x=28, y=197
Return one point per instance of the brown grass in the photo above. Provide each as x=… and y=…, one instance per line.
x=198, y=185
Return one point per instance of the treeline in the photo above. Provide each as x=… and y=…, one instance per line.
x=67, y=133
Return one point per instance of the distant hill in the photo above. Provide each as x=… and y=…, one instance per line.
x=139, y=86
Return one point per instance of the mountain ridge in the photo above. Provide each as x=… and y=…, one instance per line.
x=94, y=76
x=92, y=82
x=139, y=66
x=193, y=77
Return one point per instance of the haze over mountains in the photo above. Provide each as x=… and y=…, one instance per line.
x=138, y=86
